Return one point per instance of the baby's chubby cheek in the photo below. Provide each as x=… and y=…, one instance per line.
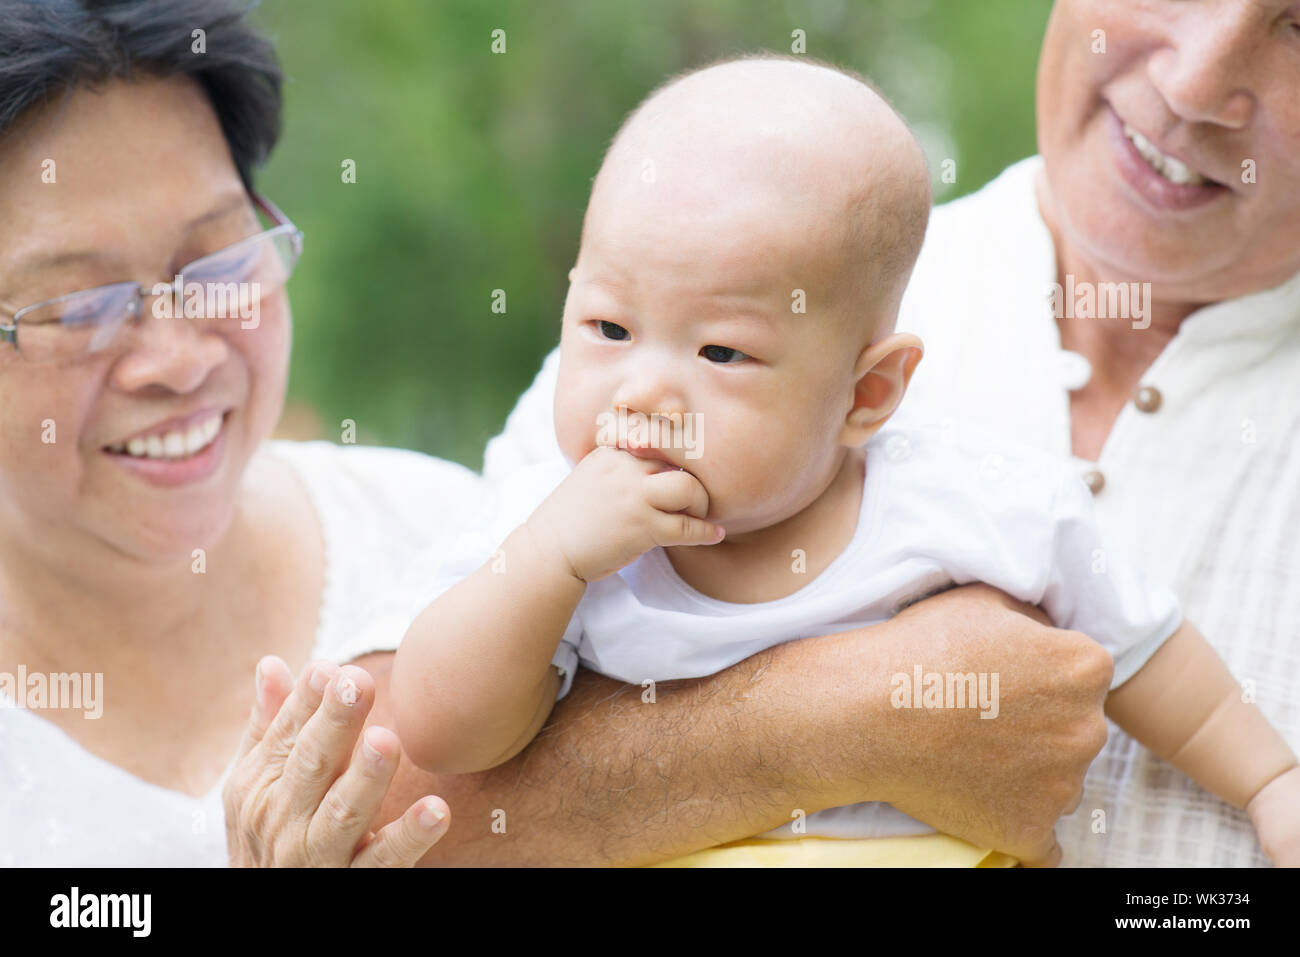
x=576, y=438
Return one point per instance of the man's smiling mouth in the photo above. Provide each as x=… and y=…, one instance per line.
x=1174, y=170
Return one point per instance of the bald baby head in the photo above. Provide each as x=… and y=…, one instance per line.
x=789, y=160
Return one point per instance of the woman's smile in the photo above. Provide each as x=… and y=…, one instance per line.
x=176, y=452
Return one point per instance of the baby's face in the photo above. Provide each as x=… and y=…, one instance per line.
x=732, y=327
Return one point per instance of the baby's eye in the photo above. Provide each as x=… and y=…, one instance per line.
x=722, y=354
x=612, y=330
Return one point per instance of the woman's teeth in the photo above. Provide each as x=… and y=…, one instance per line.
x=175, y=444
x=1171, y=169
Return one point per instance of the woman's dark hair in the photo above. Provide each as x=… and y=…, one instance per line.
x=48, y=47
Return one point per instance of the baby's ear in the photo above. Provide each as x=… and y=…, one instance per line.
x=881, y=375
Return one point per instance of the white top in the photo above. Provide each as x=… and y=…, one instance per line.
x=940, y=507
x=1204, y=493
x=60, y=805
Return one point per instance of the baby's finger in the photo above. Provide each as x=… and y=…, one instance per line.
x=272, y=683
x=685, y=530
x=325, y=743
x=345, y=813
x=403, y=842
x=676, y=490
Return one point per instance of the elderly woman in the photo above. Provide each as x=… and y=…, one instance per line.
x=154, y=546
x=1131, y=300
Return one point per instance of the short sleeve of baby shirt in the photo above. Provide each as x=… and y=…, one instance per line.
x=1100, y=592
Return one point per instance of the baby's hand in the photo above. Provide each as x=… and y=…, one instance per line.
x=614, y=507
x=1275, y=813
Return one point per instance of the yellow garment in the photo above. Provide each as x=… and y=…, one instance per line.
x=924, y=850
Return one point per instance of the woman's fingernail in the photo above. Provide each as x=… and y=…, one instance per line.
x=431, y=817
x=318, y=680
x=370, y=751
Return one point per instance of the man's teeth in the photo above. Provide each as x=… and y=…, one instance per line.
x=175, y=444
x=1171, y=169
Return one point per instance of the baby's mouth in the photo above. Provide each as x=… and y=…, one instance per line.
x=650, y=454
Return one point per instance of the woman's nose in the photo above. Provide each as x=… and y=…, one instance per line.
x=1204, y=73
x=176, y=354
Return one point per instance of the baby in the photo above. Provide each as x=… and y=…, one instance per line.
x=736, y=477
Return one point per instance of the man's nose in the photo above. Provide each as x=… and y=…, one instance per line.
x=175, y=354
x=1205, y=72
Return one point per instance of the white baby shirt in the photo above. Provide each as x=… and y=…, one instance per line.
x=943, y=504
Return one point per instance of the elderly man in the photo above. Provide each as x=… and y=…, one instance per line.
x=1169, y=162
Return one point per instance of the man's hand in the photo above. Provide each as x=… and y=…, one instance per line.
x=1000, y=782
x=614, y=507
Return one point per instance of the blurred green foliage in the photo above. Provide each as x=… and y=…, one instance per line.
x=473, y=168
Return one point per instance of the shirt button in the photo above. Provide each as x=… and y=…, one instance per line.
x=1147, y=399
x=1074, y=370
x=1094, y=480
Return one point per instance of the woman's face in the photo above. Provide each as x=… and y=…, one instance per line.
x=142, y=184
x=1214, y=84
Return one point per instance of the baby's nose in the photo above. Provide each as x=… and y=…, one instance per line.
x=651, y=395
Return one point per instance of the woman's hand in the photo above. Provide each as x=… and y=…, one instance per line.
x=304, y=791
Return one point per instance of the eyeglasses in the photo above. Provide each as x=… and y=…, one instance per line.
x=220, y=286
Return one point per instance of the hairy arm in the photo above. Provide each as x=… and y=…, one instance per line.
x=615, y=780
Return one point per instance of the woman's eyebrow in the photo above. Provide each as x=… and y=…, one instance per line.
x=44, y=261
x=230, y=203
x=40, y=262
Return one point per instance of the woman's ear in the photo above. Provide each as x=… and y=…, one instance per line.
x=881, y=375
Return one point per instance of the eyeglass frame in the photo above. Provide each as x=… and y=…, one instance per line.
x=283, y=226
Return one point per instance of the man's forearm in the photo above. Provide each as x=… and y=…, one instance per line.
x=617, y=780
x=806, y=725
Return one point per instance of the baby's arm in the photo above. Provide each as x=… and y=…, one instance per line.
x=472, y=679
x=472, y=682
x=1185, y=706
